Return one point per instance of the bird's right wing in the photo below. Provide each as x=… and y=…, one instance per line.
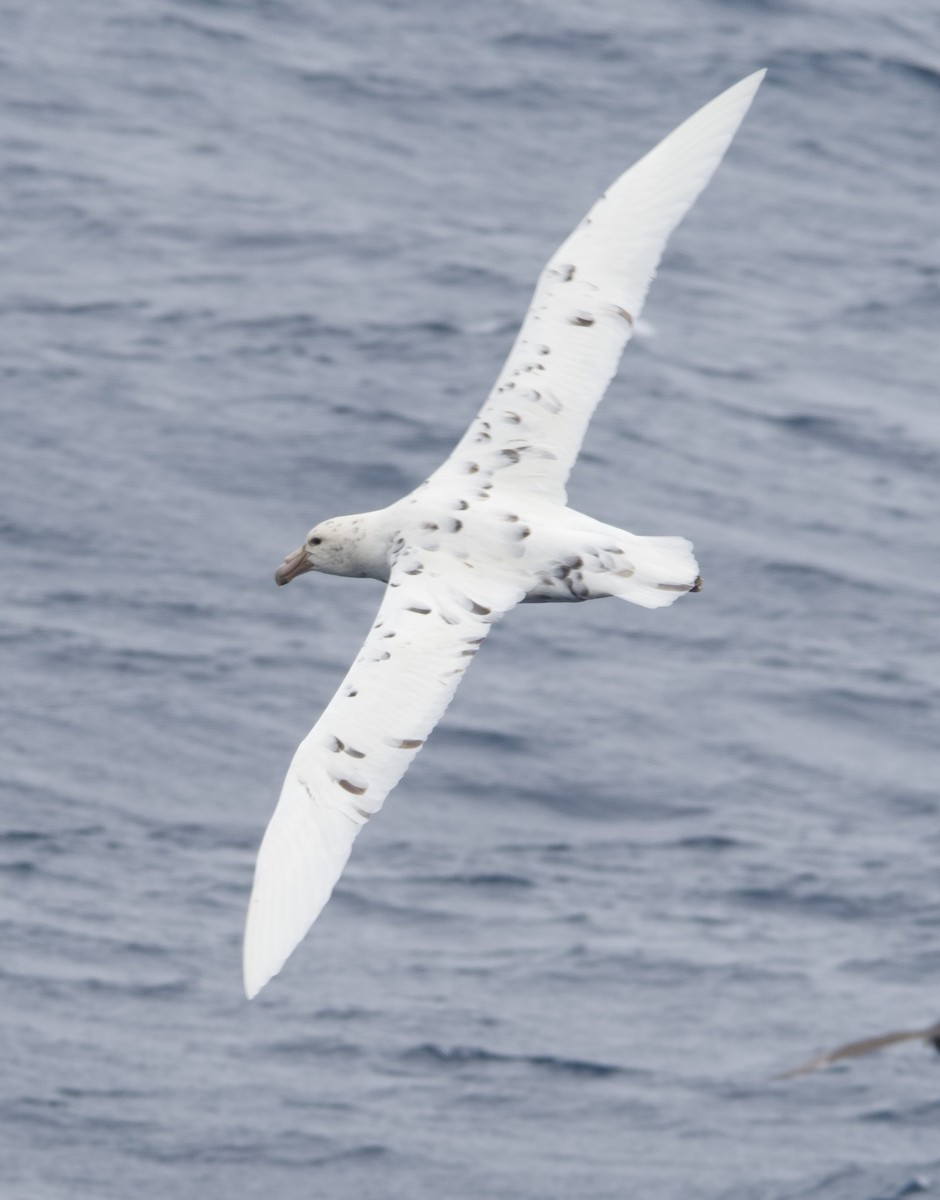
x=585, y=308
x=434, y=615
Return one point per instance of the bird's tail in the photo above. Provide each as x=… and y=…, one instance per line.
x=650, y=571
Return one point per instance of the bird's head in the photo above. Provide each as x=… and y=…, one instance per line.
x=325, y=549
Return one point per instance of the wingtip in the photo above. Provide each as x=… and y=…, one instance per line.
x=263, y=953
x=253, y=979
x=750, y=83
x=252, y=989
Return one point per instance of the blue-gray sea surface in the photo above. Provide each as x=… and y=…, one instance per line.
x=260, y=261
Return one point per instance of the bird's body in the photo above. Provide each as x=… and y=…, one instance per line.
x=558, y=553
x=490, y=528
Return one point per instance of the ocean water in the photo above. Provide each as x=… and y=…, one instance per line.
x=260, y=261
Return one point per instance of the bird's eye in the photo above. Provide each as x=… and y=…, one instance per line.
x=315, y=541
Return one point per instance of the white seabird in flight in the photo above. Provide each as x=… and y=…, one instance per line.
x=488, y=529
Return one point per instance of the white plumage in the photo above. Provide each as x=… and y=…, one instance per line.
x=488, y=529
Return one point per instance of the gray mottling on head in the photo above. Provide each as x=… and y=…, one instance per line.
x=351, y=787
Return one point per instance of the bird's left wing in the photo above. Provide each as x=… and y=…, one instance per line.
x=435, y=613
x=585, y=307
